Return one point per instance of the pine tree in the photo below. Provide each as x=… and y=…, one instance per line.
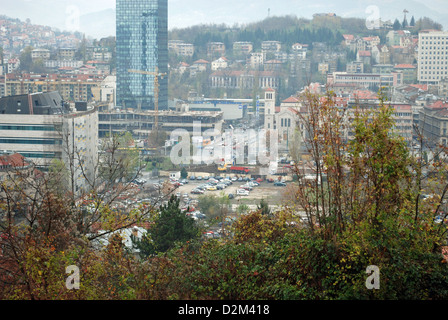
x=412, y=23
x=171, y=227
x=404, y=23
x=397, y=25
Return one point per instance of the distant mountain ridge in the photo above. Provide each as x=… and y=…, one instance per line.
x=97, y=17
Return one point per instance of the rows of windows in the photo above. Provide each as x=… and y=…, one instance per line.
x=27, y=128
x=31, y=141
x=40, y=155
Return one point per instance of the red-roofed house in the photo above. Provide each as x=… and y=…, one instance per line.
x=364, y=95
x=199, y=66
x=220, y=63
x=12, y=164
x=348, y=38
x=364, y=56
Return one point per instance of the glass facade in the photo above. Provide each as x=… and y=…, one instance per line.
x=142, y=45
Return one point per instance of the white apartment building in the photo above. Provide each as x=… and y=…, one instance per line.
x=43, y=54
x=218, y=64
x=256, y=59
x=271, y=46
x=432, y=56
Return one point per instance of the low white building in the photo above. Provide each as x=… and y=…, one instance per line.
x=220, y=63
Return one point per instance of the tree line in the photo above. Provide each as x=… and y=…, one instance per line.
x=369, y=202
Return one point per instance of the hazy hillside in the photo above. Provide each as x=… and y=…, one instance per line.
x=97, y=18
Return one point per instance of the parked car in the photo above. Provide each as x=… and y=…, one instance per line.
x=242, y=192
x=199, y=178
x=279, y=184
x=231, y=196
x=192, y=178
x=211, y=188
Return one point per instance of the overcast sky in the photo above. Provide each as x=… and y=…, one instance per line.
x=97, y=18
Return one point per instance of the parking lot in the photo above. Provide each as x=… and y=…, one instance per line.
x=267, y=191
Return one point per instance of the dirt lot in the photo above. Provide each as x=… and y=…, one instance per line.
x=272, y=194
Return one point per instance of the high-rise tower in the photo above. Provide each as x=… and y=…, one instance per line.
x=142, y=44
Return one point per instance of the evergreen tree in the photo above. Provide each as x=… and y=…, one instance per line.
x=183, y=173
x=397, y=25
x=404, y=23
x=172, y=226
x=263, y=207
x=412, y=23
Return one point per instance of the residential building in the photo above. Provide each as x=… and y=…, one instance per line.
x=71, y=87
x=271, y=46
x=57, y=64
x=66, y=53
x=242, y=48
x=12, y=65
x=221, y=63
x=42, y=54
x=323, y=68
x=216, y=49
x=355, y=67
x=273, y=65
x=106, y=91
x=256, y=59
x=364, y=56
x=432, y=56
x=433, y=121
x=382, y=68
x=181, y=48
x=402, y=115
x=13, y=164
x=394, y=37
x=381, y=54
x=409, y=72
x=299, y=50
x=200, y=65
x=142, y=52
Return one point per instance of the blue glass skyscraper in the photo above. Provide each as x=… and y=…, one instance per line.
x=142, y=45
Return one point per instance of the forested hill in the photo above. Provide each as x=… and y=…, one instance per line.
x=288, y=29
